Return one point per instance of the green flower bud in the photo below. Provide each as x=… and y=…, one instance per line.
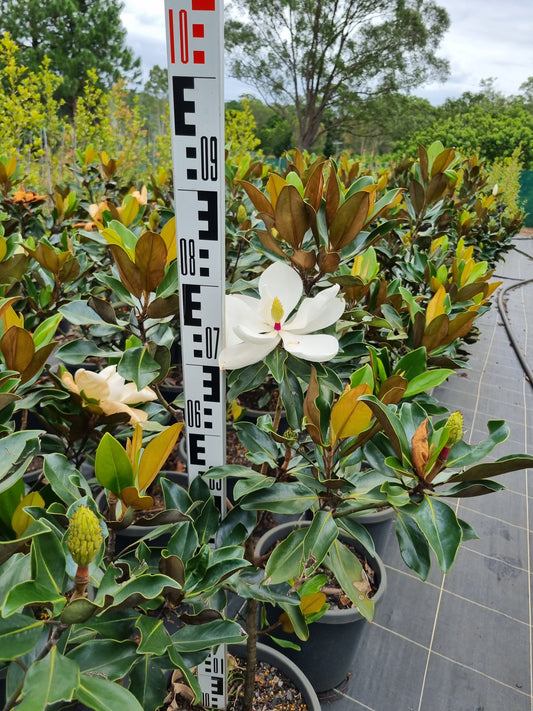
x=84, y=536
x=455, y=423
x=241, y=214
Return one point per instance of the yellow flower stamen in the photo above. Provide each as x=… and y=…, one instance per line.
x=277, y=313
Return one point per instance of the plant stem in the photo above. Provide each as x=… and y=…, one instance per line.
x=251, y=654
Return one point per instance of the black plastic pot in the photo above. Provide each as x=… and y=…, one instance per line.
x=328, y=655
x=281, y=662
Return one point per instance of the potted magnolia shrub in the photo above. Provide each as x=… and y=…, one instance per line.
x=81, y=622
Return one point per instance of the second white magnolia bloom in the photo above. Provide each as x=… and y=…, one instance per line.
x=254, y=327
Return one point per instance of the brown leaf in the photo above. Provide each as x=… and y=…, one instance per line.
x=420, y=449
x=151, y=259
x=130, y=275
x=17, y=348
x=259, y=199
x=315, y=187
x=333, y=196
x=311, y=410
x=292, y=218
x=349, y=220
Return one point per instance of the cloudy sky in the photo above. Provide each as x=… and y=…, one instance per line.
x=487, y=38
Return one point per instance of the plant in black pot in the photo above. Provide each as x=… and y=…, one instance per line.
x=79, y=625
x=418, y=463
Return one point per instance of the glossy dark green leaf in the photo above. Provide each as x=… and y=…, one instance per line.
x=109, y=657
x=286, y=560
x=473, y=488
x=112, y=465
x=414, y=547
x=195, y=638
x=320, y=536
x=293, y=400
x=275, y=361
x=101, y=694
x=288, y=498
x=138, y=365
x=440, y=526
x=48, y=562
x=183, y=541
x=260, y=447
x=245, y=379
x=512, y=463
x=19, y=634
x=148, y=683
x=154, y=637
x=64, y=478
x=426, y=381
x=30, y=593
x=49, y=680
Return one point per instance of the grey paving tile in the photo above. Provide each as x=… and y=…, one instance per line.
x=483, y=640
x=452, y=687
x=508, y=505
x=414, y=617
x=499, y=540
x=491, y=583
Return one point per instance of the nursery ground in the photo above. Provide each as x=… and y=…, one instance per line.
x=463, y=641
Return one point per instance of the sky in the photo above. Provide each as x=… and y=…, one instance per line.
x=486, y=39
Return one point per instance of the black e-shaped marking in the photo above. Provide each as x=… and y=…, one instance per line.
x=210, y=215
x=182, y=107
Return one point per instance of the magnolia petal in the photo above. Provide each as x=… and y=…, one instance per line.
x=241, y=310
x=68, y=380
x=131, y=396
x=242, y=354
x=92, y=384
x=317, y=312
x=114, y=381
x=246, y=334
x=282, y=282
x=112, y=408
x=315, y=347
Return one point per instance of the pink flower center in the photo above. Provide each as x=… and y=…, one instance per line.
x=277, y=326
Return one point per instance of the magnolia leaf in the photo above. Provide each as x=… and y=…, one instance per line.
x=130, y=275
x=131, y=497
x=21, y=520
x=350, y=574
x=151, y=259
x=417, y=195
x=311, y=411
x=19, y=634
x=350, y=416
x=156, y=453
x=333, y=195
x=440, y=526
x=112, y=466
x=49, y=680
x=315, y=186
x=17, y=348
x=259, y=199
x=349, y=220
x=274, y=186
x=292, y=217
x=413, y=545
x=420, y=449
x=100, y=694
x=38, y=361
x=129, y=210
x=287, y=559
x=436, y=334
x=436, y=188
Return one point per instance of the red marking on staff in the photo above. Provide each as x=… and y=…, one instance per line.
x=171, y=30
x=198, y=30
x=208, y=5
x=184, y=37
x=198, y=57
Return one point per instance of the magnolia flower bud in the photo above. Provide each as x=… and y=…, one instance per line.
x=154, y=220
x=455, y=423
x=241, y=214
x=84, y=536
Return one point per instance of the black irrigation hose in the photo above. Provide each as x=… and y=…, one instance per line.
x=501, y=306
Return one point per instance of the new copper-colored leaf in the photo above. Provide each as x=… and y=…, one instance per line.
x=151, y=259
x=349, y=220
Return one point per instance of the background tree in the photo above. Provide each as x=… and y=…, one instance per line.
x=319, y=54
x=76, y=35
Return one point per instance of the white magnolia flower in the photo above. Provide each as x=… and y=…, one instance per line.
x=254, y=327
x=108, y=392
